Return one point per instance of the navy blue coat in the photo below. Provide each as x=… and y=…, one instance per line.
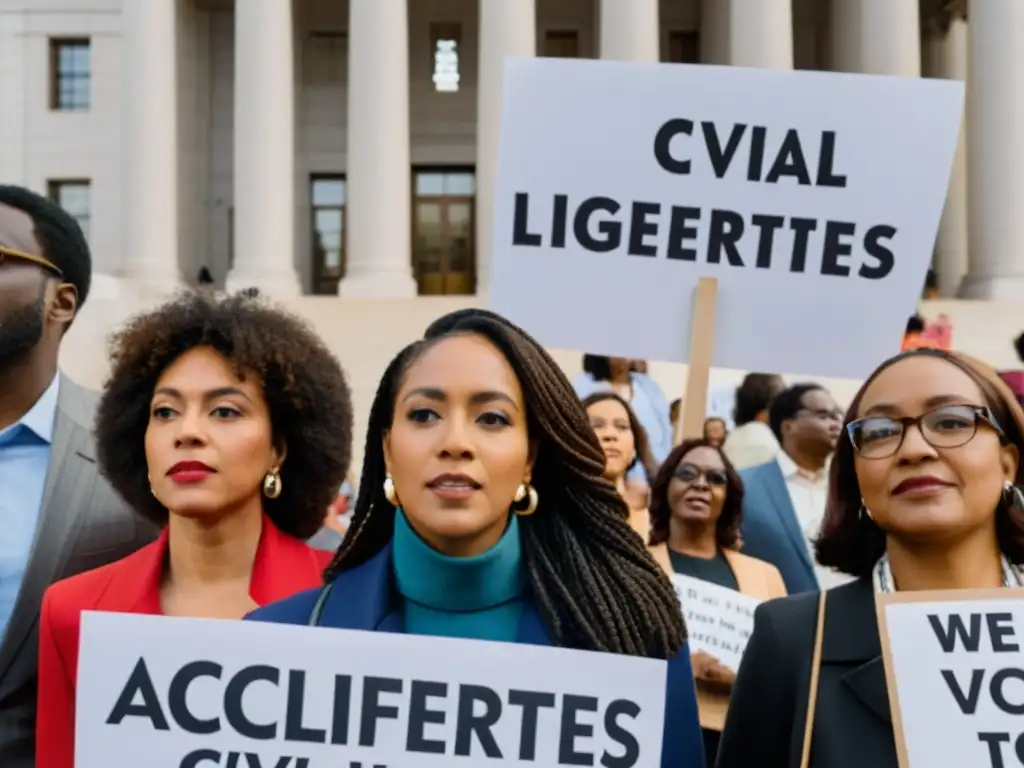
x=362, y=598
x=770, y=530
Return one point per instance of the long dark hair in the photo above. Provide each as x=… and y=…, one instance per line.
x=640, y=440
x=727, y=529
x=850, y=541
x=595, y=584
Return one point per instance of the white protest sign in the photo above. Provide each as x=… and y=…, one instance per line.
x=814, y=198
x=197, y=693
x=955, y=676
x=718, y=620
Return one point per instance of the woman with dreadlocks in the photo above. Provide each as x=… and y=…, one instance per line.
x=482, y=513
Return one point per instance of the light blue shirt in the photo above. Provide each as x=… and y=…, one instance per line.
x=24, y=458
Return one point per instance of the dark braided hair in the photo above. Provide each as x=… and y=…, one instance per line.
x=595, y=584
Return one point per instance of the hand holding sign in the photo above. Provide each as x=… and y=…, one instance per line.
x=710, y=670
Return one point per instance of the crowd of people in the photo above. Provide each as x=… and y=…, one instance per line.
x=497, y=500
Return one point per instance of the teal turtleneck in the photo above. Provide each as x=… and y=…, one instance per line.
x=477, y=597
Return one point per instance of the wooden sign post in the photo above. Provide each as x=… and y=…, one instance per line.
x=702, y=345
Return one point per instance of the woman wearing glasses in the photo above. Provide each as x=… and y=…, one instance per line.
x=696, y=500
x=924, y=495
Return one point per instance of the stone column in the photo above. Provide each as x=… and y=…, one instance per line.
x=877, y=37
x=995, y=151
x=14, y=83
x=264, y=160
x=378, y=214
x=947, y=58
x=629, y=30
x=149, y=146
x=714, y=32
x=507, y=28
x=761, y=33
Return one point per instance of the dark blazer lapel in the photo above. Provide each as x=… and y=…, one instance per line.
x=70, y=477
x=775, y=484
x=856, y=641
x=362, y=597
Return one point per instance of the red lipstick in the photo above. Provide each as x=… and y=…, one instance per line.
x=190, y=472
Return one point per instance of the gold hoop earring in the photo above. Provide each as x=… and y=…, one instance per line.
x=390, y=493
x=272, y=484
x=522, y=492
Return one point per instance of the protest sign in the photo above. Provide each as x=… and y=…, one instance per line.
x=198, y=693
x=813, y=198
x=719, y=620
x=955, y=677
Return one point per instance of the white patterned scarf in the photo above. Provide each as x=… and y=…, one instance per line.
x=882, y=575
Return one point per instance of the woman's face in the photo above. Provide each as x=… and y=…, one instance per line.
x=922, y=492
x=698, y=487
x=458, y=447
x=610, y=422
x=209, y=442
x=714, y=431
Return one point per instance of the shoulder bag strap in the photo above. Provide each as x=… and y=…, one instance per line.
x=812, y=694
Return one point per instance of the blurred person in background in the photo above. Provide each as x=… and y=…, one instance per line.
x=715, y=430
x=785, y=499
x=696, y=510
x=752, y=442
x=614, y=374
x=58, y=516
x=337, y=518
x=227, y=423
x=625, y=444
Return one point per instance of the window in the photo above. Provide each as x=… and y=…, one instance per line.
x=327, y=194
x=563, y=44
x=684, y=47
x=444, y=251
x=446, y=51
x=75, y=197
x=70, y=75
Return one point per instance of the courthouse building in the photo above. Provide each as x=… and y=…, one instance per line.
x=349, y=146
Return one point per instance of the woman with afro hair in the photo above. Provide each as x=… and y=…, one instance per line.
x=228, y=423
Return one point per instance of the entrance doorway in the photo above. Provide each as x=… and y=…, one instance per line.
x=444, y=251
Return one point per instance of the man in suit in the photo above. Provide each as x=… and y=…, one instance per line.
x=784, y=501
x=57, y=516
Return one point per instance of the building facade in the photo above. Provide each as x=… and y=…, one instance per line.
x=349, y=146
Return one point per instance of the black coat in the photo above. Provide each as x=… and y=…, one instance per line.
x=768, y=709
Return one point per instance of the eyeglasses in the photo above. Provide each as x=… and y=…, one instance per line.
x=11, y=253
x=951, y=426
x=690, y=473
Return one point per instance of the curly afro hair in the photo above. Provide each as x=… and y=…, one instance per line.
x=307, y=396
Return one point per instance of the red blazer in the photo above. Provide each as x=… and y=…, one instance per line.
x=284, y=565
